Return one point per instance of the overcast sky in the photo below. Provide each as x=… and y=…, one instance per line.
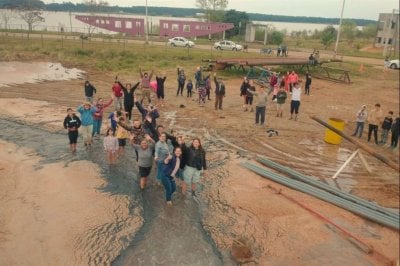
x=367, y=9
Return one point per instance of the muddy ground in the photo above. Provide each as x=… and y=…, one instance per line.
x=239, y=210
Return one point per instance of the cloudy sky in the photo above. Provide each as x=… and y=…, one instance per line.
x=367, y=9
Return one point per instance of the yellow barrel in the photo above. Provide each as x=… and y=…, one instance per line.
x=330, y=136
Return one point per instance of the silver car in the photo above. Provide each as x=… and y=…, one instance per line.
x=227, y=45
x=180, y=41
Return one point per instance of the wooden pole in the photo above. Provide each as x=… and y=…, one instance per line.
x=380, y=157
x=345, y=164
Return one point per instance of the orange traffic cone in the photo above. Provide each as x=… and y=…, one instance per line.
x=361, y=69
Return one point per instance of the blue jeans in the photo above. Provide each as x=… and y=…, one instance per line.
x=360, y=127
x=169, y=185
x=385, y=133
x=96, y=126
x=260, y=114
x=160, y=165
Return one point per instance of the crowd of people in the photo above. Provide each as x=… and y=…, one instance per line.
x=175, y=160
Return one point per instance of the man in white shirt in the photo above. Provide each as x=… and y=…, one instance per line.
x=295, y=103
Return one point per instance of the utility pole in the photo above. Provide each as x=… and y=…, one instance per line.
x=147, y=26
x=340, y=25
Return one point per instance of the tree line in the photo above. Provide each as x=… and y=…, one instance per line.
x=168, y=11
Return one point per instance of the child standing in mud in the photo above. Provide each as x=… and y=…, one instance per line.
x=72, y=123
x=98, y=115
x=189, y=88
x=122, y=134
x=110, y=144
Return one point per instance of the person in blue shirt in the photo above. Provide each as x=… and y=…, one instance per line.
x=86, y=111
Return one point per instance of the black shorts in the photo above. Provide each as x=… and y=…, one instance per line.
x=122, y=142
x=73, y=136
x=144, y=171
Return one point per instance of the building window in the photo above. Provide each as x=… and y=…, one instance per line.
x=138, y=24
x=203, y=27
x=128, y=24
x=381, y=25
x=175, y=27
x=186, y=28
x=102, y=21
x=165, y=26
x=97, y=21
x=392, y=25
x=378, y=39
x=107, y=22
x=390, y=41
x=118, y=24
x=197, y=27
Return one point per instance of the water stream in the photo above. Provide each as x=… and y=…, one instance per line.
x=170, y=235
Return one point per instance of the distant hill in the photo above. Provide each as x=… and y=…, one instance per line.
x=185, y=12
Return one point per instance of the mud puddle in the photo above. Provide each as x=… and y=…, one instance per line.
x=170, y=235
x=12, y=73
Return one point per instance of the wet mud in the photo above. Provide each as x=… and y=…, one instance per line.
x=169, y=235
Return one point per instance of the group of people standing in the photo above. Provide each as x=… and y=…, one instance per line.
x=280, y=86
x=376, y=119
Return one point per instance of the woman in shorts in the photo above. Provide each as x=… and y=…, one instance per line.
x=145, y=158
x=195, y=166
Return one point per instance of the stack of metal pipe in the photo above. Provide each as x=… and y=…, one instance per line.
x=323, y=191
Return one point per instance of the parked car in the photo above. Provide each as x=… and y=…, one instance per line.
x=393, y=64
x=227, y=45
x=180, y=41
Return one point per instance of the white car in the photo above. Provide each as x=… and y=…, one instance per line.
x=393, y=64
x=227, y=45
x=180, y=41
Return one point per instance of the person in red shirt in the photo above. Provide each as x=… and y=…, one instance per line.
x=273, y=80
x=118, y=94
x=293, y=78
x=287, y=81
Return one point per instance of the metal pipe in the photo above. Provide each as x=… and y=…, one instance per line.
x=309, y=180
x=325, y=196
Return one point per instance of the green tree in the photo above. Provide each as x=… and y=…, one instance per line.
x=275, y=37
x=369, y=31
x=328, y=36
x=22, y=4
x=239, y=19
x=349, y=30
x=213, y=9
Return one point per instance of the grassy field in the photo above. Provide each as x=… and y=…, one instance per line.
x=121, y=57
